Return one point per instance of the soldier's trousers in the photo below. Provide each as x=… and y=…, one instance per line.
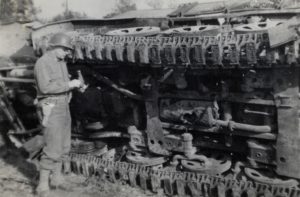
x=57, y=132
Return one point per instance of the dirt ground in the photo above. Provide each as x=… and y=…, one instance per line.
x=19, y=178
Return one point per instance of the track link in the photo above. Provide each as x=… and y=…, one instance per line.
x=175, y=182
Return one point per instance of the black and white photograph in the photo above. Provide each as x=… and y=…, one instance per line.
x=150, y=98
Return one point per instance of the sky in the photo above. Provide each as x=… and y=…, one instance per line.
x=93, y=8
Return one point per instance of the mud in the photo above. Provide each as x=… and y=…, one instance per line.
x=18, y=177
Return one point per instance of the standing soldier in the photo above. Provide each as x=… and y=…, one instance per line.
x=53, y=94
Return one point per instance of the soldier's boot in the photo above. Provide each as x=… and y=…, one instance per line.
x=43, y=189
x=57, y=179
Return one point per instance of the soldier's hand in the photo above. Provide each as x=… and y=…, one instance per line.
x=75, y=83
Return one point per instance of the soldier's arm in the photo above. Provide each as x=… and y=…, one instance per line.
x=46, y=84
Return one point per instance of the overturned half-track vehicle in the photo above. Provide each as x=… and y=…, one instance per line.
x=202, y=100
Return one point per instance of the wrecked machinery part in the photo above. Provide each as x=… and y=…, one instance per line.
x=191, y=108
x=8, y=110
x=113, y=85
x=19, y=73
x=255, y=175
x=16, y=80
x=15, y=67
x=179, y=182
x=245, y=127
x=144, y=159
x=105, y=134
x=218, y=164
x=27, y=132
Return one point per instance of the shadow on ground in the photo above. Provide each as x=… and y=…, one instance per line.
x=16, y=159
